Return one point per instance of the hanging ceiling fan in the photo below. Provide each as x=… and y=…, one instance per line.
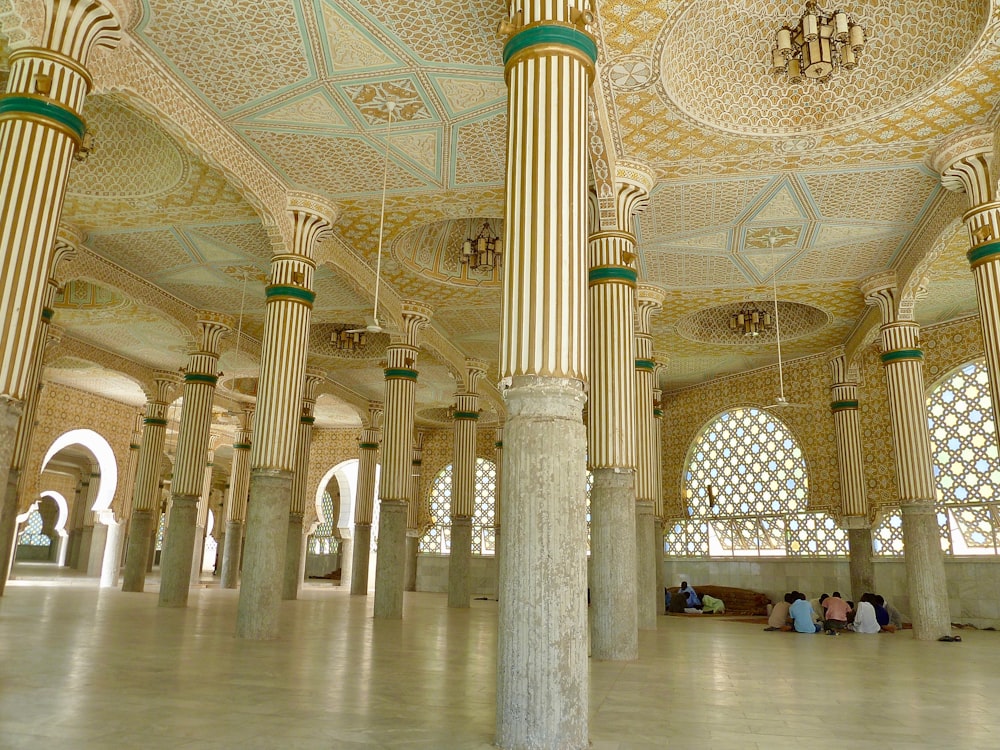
x=372, y=323
x=780, y=402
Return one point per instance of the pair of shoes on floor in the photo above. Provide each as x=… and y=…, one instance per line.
x=831, y=631
x=768, y=630
x=951, y=638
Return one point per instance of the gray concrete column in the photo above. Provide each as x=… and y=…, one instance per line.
x=138, y=544
x=460, y=562
x=294, y=549
x=645, y=544
x=98, y=547
x=361, y=557
x=110, y=565
x=83, y=551
x=391, y=565
x=613, y=625
x=925, y=579
x=177, y=553
x=862, y=561
x=410, y=573
x=346, y=561
x=10, y=413
x=231, y=554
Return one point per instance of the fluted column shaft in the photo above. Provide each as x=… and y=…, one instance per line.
x=41, y=128
x=463, y=498
x=611, y=440
x=146, y=496
x=239, y=484
x=200, y=377
x=364, y=506
x=542, y=681
x=295, y=547
x=276, y=423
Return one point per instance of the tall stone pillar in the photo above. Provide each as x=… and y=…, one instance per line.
x=497, y=509
x=279, y=410
x=41, y=129
x=850, y=465
x=115, y=557
x=200, y=377
x=364, y=503
x=204, y=500
x=649, y=300
x=80, y=495
x=611, y=426
x=86, y=524
x=146, y=498
x=903, y=364
x=463, y=486
x=417, y=514
x=394, y=489
x=294, y=547
x=236, y=509
x=542, y=678
x=659, y=513
x=965, y=162
x=65, y=248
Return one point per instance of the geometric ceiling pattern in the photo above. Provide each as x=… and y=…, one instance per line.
x=762, y=188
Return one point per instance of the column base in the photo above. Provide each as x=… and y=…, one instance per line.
x=645, y=536
x=542, y=671
x=231, y=554
x=925, y=577
x=613, y=625
x=346, y=561
x=10, y=415
x=264, y=555
x=390, y=563
x=98, y=547
x=134, y=579
x=661, y=600
x=8, y=527
x=410, y=574
x=112, y=555
x=459, y=563
x=361, y=554
x=178, y=551
x=292, y=580
x=861, y=561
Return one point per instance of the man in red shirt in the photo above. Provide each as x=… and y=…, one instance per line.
x=836, y=610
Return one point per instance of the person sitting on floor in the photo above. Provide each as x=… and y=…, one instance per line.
x=778, y=619
x=712, y=606
x=693, y=599
x=864, y=617
x=836, y=611
x=677, y=603
x=802, y=615
x=882, y=614
x=895, y=618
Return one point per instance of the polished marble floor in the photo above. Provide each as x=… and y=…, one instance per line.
x=87, y=669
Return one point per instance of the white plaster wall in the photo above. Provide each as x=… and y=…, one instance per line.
x=432, y=574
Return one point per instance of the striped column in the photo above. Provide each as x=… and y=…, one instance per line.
x=903, y=364
x=364, y=503
x=611, y=431
x=542, y=680
x=65, y=249
x=394, y=490
x=649, y=299
x=294, y=548
x=146, y=498
x=41, y=129
x=204, y=500
x=417, y=515
x=850, y=464
x=463, y=486
x=236, y=508
x=659, y=513
x=964, y=162
x=276, y=423
x=200, y=378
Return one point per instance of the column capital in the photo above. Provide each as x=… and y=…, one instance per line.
x=475, y=370
x=963, y=161
x=374, y=419
x=67, y=245
x=212, y=326
x=648, y=300
x=415, y=316
x=312, y=219
x=164, y=383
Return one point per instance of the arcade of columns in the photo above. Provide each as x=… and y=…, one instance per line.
x=550, y=353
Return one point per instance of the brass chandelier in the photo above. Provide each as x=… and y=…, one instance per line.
x=349, y=340
x=750, y=321
x=817, y=45
x=484, y=252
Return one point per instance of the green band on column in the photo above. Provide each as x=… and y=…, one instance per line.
x=984, y=252
x=47, y=313
x=466, y=415
x=645, y=364
x=286, y=291
x=368, y=446
x=498, y=444
x=134, y=446
x=657, y=412
x=198, y=377
x=417, y=462
x=307, y=420
x=155, y=421
x=901, y=355
x=612, y=273
x=550, y=34
x=400, y=372
x=241, y=446
x=843, y=405
x=12, y=105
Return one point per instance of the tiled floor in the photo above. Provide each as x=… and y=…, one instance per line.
x=84, y=669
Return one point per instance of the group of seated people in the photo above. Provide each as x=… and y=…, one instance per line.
x=831, y=614
x=687, y=600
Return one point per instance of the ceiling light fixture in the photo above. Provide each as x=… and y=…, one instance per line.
x=484, y=252
x=349, y=340
x=750, y=321
x=819, y=43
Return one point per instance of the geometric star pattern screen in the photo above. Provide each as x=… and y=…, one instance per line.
x=437, y=538
x=964, y=451
x=748, y=490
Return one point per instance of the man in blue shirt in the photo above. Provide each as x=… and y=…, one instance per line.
x=692, y=596
x=802, y=613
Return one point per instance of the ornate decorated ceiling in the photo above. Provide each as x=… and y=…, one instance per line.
x=762, y=186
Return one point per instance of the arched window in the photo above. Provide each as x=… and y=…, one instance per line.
x=322, y=542
x=437, y=538
x=747, y=490
x=32, y=535
x=966, y=469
